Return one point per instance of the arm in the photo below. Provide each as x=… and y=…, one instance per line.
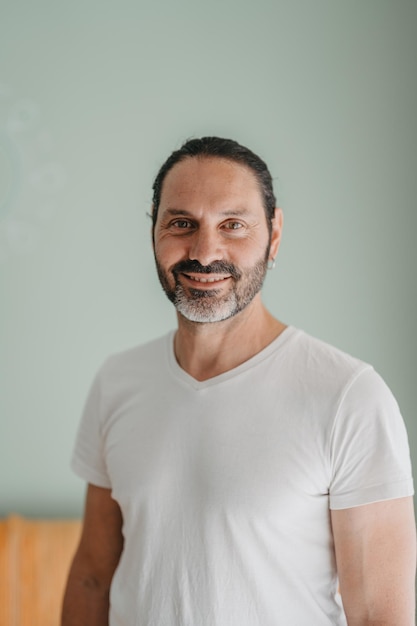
x=86, y=600
x=375, y=547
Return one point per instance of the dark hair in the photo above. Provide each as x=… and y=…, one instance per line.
x=217, y=147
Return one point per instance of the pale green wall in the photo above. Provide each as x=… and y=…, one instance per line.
x=94, y=95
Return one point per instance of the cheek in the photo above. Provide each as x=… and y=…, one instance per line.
x=249, y=251
x=168, y=252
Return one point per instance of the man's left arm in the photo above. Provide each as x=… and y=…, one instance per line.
x=375, y=547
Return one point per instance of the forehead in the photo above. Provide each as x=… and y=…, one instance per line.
x=210, y=180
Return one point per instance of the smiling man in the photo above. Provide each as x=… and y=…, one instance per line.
x=240, y=472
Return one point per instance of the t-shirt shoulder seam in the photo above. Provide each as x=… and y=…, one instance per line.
x=365, y=367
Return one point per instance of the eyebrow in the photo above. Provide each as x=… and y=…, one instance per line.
x=225, y=213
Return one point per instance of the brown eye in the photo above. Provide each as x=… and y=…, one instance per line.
x=182, y=224
x=233, y=225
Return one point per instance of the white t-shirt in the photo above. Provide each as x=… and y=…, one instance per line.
x=225, y=485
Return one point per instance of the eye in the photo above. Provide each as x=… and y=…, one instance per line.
x=233, y=225
x=181, y=224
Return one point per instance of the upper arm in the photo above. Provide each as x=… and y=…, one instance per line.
x=101, y=540
x=375, y=547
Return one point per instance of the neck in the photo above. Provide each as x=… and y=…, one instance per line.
x=208, y=350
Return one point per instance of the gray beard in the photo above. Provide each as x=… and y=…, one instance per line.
x=207, y=306
x=204, y=307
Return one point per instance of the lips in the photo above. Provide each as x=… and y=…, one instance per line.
x=205, y=279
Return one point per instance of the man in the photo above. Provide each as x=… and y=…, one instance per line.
x=240, y=472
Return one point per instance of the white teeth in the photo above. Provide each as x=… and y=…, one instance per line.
x=207, y=280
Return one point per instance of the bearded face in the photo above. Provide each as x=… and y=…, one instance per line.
x=204, y=302
x=211, y=239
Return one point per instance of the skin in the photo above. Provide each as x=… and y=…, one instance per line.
x=211, y=210
x=376, y=560
x=86, y=599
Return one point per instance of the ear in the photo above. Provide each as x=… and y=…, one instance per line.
x=277, y=225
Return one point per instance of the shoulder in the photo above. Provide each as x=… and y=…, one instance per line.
x=324, y=364
x=356, y=380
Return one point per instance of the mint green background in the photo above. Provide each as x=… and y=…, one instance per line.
x=324, y=90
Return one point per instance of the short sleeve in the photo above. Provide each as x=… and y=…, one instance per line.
x=369, y=456
x=88, y=460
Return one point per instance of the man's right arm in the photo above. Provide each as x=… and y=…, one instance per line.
x=86, y=599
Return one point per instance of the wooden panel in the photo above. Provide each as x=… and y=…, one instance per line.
x=35, y=556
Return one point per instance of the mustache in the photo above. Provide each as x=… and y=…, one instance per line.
x=217, y=267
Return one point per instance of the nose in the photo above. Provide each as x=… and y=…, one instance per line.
x=205, y=246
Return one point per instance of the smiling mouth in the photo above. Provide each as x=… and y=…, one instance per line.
x=206, y=279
